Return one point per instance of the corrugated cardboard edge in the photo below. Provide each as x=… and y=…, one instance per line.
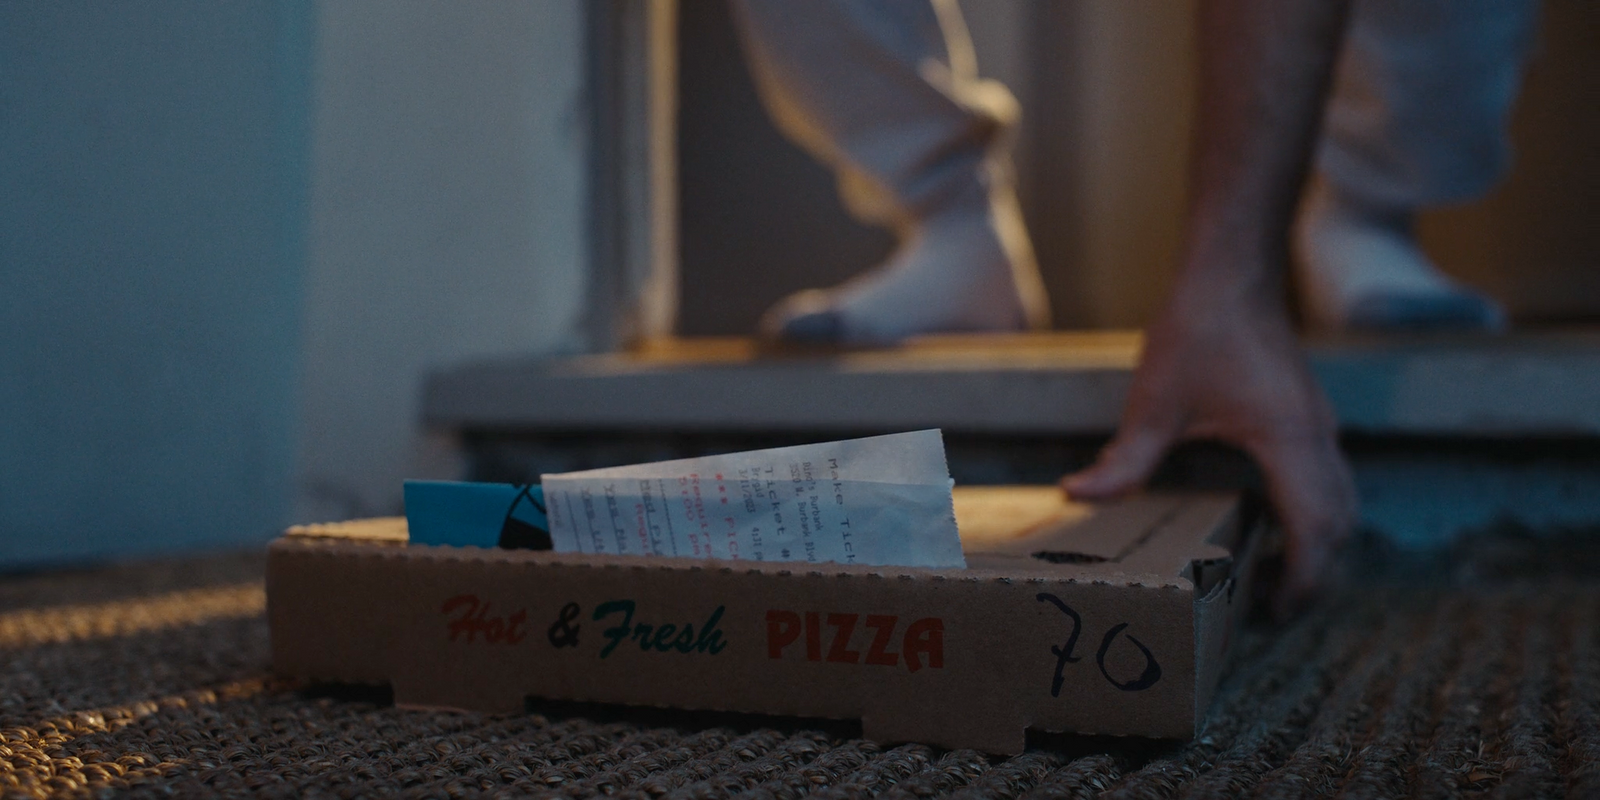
x=1221, y=612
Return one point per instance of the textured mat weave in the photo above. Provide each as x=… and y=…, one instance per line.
x=1478, y=673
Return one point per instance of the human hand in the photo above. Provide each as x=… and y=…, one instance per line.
x=1224, y=365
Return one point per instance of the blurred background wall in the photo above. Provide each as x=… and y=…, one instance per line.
x=1107, y=90
x=448, y=193
x=234, y=235
x=152, y=217
x=1533, y=242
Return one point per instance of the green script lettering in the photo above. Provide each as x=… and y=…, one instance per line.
x=663, y=638
x=620, y=632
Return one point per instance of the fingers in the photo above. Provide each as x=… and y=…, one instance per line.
x=1309, y=484
x=1123, y=466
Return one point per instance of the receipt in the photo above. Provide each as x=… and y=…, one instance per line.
x=882, y=500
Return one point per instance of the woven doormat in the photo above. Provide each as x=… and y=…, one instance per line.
x=1465, y=673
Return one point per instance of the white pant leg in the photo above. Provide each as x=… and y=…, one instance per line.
x=884, y=91
x=1422, y=96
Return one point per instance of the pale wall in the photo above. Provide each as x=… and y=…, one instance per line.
x=233, y=236
x=447, y=221
x=152, y=157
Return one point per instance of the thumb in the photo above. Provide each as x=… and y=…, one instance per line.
x=1123, y=466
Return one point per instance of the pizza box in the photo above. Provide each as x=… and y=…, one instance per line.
x=1107, y=619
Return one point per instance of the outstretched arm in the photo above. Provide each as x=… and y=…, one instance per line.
x=1222, y=361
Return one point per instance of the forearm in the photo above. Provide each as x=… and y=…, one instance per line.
x=1265, y=69
x=1222, y=362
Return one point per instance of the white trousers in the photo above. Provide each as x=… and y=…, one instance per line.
x=1422, y=97
x=887, y=93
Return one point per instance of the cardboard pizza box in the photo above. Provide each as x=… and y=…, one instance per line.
x=1111, y=619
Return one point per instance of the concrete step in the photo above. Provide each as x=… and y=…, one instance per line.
x=1539, y=385
x=1446, y=433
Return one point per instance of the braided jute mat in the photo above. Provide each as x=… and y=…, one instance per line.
x=1472, y=672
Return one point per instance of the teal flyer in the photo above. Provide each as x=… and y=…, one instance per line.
x=459, y=513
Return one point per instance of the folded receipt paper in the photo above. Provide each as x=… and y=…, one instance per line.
x=880, y=500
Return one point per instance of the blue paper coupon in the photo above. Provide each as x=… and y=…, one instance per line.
x=477, y=514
